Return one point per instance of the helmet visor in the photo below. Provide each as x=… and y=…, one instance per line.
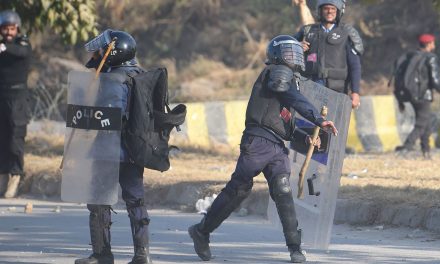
x=291, y=52
x=99, y=42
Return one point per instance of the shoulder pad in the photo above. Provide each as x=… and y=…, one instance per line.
x=280, y=77
x=22, y=40
x=355, y=38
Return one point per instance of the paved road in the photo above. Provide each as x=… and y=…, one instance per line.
x=45, y=236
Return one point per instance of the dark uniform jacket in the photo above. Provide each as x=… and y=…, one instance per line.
x=270, y=114
x=14, y=64
x=14, y=69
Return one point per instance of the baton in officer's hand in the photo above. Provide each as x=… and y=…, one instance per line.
x=325, y=125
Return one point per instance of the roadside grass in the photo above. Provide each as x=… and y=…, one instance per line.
x=379, y=178
x=390, y=179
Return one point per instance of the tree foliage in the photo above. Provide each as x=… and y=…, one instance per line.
x=73, y=20
x=436, y=4
x=217, y=29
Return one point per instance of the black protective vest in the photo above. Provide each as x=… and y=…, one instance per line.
x=327, y=57
x=14, y=64
x=264, y=109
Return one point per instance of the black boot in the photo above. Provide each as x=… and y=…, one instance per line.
x=99, y=222
x=225, y=203
x=139, y=222
x=296, y=255
x=106, y=257
x=141, y=256
x=201, y=242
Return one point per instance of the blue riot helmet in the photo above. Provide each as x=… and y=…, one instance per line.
x=9, y=17
x=285, y=50
x=124, y=49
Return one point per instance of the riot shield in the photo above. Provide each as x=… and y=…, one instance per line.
x=315, y=212
x=90, y=172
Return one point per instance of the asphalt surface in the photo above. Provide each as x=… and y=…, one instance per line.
x=57, y=232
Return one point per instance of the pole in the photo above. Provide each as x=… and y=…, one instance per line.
x=309, y=154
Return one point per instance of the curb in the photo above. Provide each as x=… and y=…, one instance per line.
x=183, y=196
x=369, y=213
x=377, y=126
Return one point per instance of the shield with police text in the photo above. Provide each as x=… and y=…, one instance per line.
x=315, y=211
x=92, y=147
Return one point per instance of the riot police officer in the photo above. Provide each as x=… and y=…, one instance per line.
x=332, y=50
x=121, y=60
x=15, y=56
x=269, y=121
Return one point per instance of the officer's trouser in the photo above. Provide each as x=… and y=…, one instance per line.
x=257, y=155
x=14, y=116
x=422, y=127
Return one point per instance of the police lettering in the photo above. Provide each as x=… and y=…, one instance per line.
x=90, y=114
x=98, y=115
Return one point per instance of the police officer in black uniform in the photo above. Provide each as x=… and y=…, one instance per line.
x=269, y=121
x=332, y=50
x=422, y=106
x=121, y=60
x=15, y=56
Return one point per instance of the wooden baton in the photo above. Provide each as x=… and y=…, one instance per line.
x=305, y=165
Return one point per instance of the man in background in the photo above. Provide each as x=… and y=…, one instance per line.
x=332, y=50
x=420, y=65
x=15, y=56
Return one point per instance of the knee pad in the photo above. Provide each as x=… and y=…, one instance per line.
x=137, y=212
x=134, y=203
x=280, y=186
x=281, y=193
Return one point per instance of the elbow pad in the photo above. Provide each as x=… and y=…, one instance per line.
x=280, y=78
x=355, y=39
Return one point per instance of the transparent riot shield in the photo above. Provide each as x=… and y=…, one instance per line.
x=315, y=212
x=90, y=172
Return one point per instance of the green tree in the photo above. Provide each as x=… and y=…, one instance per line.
x=73, y=20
